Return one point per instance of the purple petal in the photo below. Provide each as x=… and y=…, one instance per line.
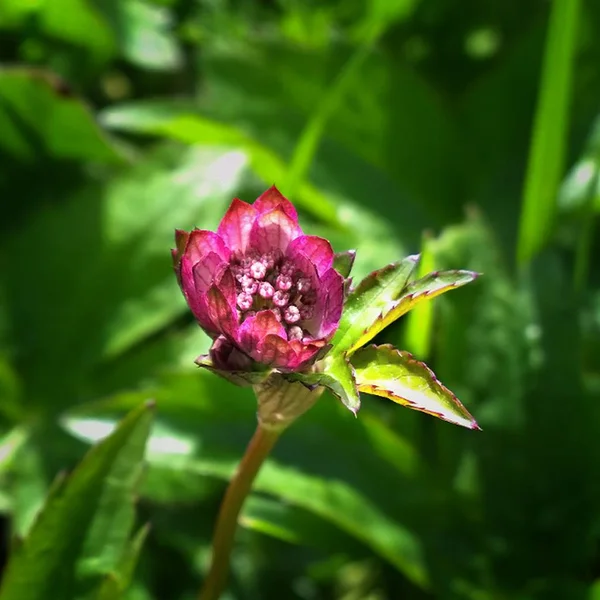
x=255, y=329
x=209, y=271
x=199, y=308
x=277, y=352
x=273, y=230
x=222, y=313
x=206, y=270
x=318, y=250
x=236, y=225
x=198, y=244
x=227, y=357
x=273, y=198
x=304, y=354
x=226, y=283
x=330, y=303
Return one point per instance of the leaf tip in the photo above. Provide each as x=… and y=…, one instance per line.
x=354, y=410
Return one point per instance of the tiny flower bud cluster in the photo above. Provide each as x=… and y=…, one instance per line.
x=271, y=282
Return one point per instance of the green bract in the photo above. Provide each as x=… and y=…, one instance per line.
x=378, y=300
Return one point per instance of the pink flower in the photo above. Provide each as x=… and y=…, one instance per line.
x=266, y=293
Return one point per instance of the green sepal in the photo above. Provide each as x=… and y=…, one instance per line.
x=338, y=377
x=397, y=375
x=241, y=378
x=367, y=302
x=421, y=290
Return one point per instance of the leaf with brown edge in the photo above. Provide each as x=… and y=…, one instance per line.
x=337, y=377
x=367, y=302
x=397, y=375
x=421, y=290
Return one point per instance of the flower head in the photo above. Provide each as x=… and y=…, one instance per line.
x=266, y=293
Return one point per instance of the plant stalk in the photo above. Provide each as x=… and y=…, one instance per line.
x=258, y=449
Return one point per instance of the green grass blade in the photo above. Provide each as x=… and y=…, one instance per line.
x=548, y=143
x=310, y=138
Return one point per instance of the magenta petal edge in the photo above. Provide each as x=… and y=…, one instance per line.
x=266, y=293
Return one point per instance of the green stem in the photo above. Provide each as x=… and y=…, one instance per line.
x=258, y=449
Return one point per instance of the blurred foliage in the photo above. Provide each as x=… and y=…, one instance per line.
x=476, y=121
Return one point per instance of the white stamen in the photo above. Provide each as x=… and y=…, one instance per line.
x=265, y=290
x=291, y=314
x=280, y=298
x=258, y=270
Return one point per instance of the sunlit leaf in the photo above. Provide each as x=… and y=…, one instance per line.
x=146, y=35
x=369, y=300
x=182, y=124
x=85, y=27
x=421, y=290
x=338, y=377
x=294, y=525
x=397, y=375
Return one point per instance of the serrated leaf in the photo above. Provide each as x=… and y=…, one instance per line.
x=369, y=299
x=338, y=377
x=397, y=375
x=418, y=291
x=80, y=535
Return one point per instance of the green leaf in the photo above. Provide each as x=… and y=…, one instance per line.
x=81, y=533
x=550, y=130
x=115, y=584
x=182, y=124
x=126, y=228
x=146, y=35
x=338, y=377
x=391, y=373
x=369, y=300
x=294, y=525
x=418, y=291
x=336, y=468
x=28, y=485
x=39, y=115
x=84, y=28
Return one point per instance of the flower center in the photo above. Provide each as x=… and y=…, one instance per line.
x=272, y=282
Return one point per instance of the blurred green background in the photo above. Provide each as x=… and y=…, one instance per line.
x=473, y=120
